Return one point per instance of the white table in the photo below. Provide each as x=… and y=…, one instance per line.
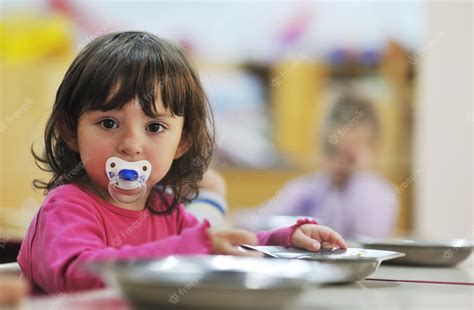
x=392, y=292
x=395, y=290
x=461, y=274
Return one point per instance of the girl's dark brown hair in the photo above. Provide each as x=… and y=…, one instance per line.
x=110, y=72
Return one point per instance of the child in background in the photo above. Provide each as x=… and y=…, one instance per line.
x=345, y=195
x=210, y=204
x=129, y=120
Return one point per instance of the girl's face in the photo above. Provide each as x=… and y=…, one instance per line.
x=130, y=134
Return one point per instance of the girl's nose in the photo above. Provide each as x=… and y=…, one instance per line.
x=130, y=145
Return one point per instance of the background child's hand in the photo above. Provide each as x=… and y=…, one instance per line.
x=312, y=237
x=227, y=242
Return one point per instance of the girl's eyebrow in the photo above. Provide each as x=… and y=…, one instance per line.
x=159, y=114
x=164, y=115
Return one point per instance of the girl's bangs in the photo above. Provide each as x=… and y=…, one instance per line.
x=139, y=74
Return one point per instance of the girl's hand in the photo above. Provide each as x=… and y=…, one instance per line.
x=12, y=290
x=312, y=237
x=226, y=242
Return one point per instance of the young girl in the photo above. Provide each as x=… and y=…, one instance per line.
x=130, y=120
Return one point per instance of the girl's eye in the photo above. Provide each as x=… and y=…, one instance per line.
x=108, y=123
x=155, y=127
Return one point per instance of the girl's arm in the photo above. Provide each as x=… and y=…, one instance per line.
x=281, y=236
x=66, y=234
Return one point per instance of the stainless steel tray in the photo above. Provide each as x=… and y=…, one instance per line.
x=331, y=266
x=424, y=253
x=207, y=281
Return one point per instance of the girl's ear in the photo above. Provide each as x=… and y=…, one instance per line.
x=67, y=136
x=184, y=145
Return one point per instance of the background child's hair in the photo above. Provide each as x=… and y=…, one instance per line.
x=110, y=72
x=351, y=109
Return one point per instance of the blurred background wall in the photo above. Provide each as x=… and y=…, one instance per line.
x=272, y=70
x=444, y=131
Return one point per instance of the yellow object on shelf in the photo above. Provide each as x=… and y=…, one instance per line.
x=296, y=89
x=29, y=38
x=250, y=188
x=35, y=51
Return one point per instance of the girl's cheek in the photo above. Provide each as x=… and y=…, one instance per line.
x=160, y=167
x=95, y=168
x=97, y=174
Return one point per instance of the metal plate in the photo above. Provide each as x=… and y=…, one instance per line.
x=424, y=253
x=330, y=254
x=335, y=265
x=207, y=281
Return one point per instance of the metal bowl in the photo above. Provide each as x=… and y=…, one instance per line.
x=342, y=271
x=207, y=281
x=424, y=253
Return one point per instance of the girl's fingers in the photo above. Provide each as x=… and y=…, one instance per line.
x=304, y=241
x=327, y=245
x=12, y=290
x=328, y=235
x=325, y=235
x=226, y=242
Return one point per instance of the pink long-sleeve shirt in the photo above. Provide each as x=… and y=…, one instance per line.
x=75, y=226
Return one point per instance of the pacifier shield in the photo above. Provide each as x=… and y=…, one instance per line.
x=127, y=179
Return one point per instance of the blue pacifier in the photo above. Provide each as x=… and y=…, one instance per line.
x=127, y=179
